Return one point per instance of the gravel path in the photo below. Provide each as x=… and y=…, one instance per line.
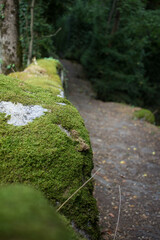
x=128, y=153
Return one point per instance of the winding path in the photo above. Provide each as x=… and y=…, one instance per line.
x=128, y=153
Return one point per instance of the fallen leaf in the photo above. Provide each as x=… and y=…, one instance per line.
x=122, y=162
x=153, y=153
x=115, y=207
x=145, y=175
x=109, y=232
x=111, y=214
x=122, y=176
x=144, y=216
x=105, y=178
x=134, y=149
x=99, y=140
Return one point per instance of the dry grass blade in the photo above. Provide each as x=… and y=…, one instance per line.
x=78, y=189
x=119, y=211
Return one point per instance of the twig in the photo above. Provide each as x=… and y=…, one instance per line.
x=112, y=11
x=157, y=110
x=119, y=211
x=52, y=35
x=78, y=190
x=13, y=69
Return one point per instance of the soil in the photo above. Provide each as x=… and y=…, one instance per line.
x=128, y=153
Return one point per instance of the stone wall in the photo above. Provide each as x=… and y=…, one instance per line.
x=44, y=143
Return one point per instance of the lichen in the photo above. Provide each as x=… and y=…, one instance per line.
x=144, y=114
x=41, y=154
x=19, y=114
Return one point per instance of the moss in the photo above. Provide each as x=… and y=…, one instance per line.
x=41, y=154
x=145, y=114
x=42, y=75
x=26, y=214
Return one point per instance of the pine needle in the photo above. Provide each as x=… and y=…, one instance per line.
x=78, y=189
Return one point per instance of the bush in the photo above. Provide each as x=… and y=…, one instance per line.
x=120, y=51
x=145, y=114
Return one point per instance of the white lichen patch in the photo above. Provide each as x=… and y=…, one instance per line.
x=61, y=94
x=63, y=104
x=64, y=130
x=20, y=114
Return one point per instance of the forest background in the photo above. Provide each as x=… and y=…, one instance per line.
x=116, y=41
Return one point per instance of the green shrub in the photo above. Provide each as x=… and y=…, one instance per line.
x=145, y=114
x=119, y=48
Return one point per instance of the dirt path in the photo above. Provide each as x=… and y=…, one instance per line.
x=128, y=153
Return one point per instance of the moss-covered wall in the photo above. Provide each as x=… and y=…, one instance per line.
x=53, y=152
x=26, y=215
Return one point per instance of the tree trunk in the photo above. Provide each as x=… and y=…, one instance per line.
x=116, y=23
x=112, y=12
x=115, y=12
x=32, y=33
x=10, y=51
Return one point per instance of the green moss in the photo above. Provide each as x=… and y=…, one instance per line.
x=42, y=155
x=145, y=114
x=26, y=214
x=42, y=75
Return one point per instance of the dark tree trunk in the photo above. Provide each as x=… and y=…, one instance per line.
x=10, y=51
x=32, y=33
x=116, y=22
x=112, y=11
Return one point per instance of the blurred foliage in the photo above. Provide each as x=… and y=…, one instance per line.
x=25, y=214
x=45, y=17
x=43, y=42
x=118, y=43
x=145, y=115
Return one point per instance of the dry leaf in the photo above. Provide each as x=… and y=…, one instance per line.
x=111, y=214
x=115, y=207
x=122, y=162
x=145, y=175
